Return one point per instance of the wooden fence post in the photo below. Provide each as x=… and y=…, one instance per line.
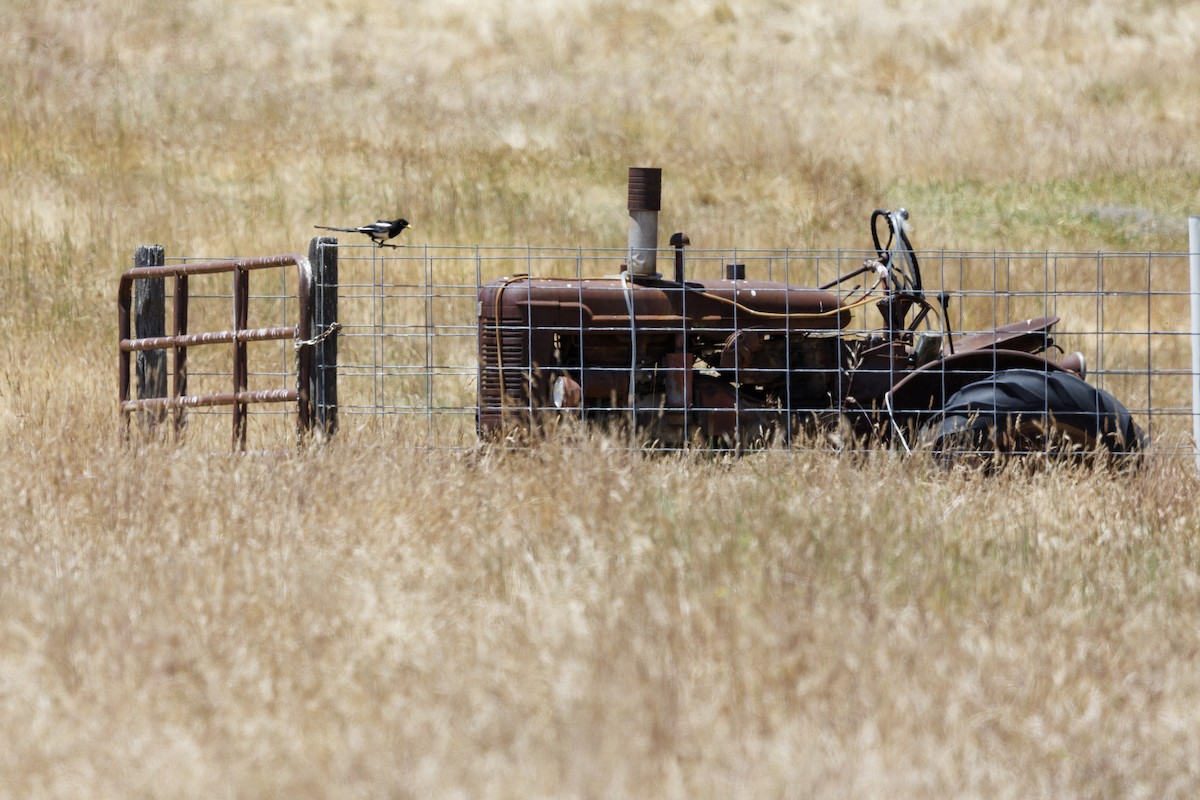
x=323, y=256
x=149, y=308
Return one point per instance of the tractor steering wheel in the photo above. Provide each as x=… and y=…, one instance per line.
x=897, y=254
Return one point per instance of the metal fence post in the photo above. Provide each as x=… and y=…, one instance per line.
x=1194, y=258
x=323, y=256
x=150, y=319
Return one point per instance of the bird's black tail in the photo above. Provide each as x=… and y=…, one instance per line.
x=343, y=230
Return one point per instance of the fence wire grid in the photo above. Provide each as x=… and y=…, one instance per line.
x=408, y=356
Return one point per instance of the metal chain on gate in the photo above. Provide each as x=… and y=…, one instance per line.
x=333, y=328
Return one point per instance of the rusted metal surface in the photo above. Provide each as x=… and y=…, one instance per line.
x=738, y=360
x=645, y=189
x=210, y=337
x=522, y=319
x=219, y=399
x=571, y=340
x=603, y=303
x=241, y=334
x=1031, y=334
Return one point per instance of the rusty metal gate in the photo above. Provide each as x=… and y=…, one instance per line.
x=154, y=400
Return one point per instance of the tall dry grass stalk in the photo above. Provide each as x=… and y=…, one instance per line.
x=373, y=619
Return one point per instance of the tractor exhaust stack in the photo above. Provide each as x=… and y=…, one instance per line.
x=645, y=201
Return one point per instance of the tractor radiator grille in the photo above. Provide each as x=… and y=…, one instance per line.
x=509, y=352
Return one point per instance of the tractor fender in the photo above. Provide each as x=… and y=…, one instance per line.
x=928, y=387
x=1031, y=335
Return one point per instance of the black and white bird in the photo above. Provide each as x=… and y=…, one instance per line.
x=379, y=231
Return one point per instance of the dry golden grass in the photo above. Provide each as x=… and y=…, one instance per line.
x=371, y=619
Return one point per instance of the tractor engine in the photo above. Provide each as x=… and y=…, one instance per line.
x=677, y=358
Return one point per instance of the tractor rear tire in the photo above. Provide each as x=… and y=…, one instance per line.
x=1029, y=412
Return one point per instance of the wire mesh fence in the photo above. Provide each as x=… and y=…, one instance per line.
x=409, y=346
x=410, y=341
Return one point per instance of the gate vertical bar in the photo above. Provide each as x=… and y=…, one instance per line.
x=1194, y=259
x=150, y=320
x=323, y=255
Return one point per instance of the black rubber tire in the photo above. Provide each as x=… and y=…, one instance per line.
x=1027, y=411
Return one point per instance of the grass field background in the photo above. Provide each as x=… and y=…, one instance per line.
x=373, y=620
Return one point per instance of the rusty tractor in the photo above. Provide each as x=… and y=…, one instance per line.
x=735, y=363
